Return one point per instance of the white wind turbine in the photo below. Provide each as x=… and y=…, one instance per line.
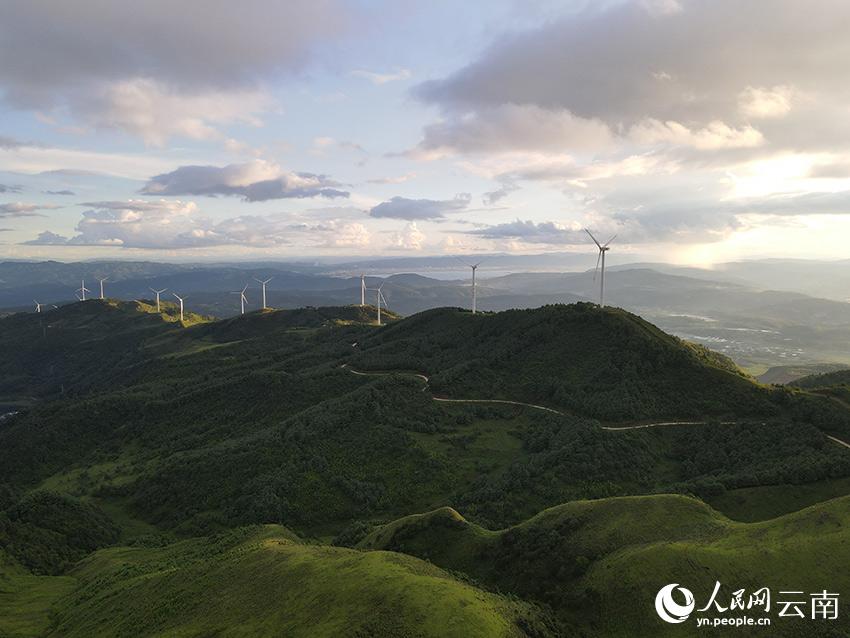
x=37, y=305
x=603, y=248
x=362, y=290
x=380, y=297
x=263, y=284
x=474, y=291
x=157, y=293
x=101, y=286
x=181, y=304
x=82, y=290
x=242, y=297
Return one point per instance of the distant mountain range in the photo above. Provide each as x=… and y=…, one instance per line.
x=754, y=312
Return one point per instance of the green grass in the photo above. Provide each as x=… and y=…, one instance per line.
x=600, y=563
x=749, y=504
x=266, y=583
x=26, y=600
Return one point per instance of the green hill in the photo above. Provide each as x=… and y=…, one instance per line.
x=600, y=362
x=265, y=582
x=599, y=564
x=169, y=432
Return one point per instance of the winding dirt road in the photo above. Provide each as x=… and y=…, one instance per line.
x=621, y=428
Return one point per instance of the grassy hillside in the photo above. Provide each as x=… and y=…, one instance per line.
x=265, y=582
x=599, y=564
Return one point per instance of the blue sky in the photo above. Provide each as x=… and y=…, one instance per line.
x=697, y=132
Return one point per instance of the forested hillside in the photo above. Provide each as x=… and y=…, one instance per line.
x=316, y=420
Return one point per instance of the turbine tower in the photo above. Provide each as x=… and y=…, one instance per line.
x=379, y=295
x=82, y=290
x=263, y=284
x=362, y=290
x=242, y=297
x=101, y=286
x=603, y=248
x=474, y=291
x=157, y=293
x=37, y=305
x=181, y=304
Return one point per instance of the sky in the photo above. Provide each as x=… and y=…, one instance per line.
x=695, y=131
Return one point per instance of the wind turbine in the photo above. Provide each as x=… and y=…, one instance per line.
x=263, y=284
x=181, y=304
x=82, y=290
x=157, y=293
x=474, y=292
x=101, y=286
x=242, y=297
x=37, y=305
x=380, y=297
x=603, y=248
x=362, y=290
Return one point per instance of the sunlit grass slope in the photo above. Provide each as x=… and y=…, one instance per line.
x=600, y=563
x=264, y=582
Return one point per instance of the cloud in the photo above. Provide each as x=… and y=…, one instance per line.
x=254, y=181
x=383, y=78
x=411, y=238
x=398, y=179
x=761, y=103
x=530, y=232
x=10, y=143
x=19, y=209
x=95, y=59
x=155, y=112
x=62, y=192
x=511, y=127
x=420, y=209
x=6, y=188
x=716, y=135
x=47, y=238
x=701, y=65
x=175, y=224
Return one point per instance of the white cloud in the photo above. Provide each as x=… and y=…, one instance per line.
x=763, y=103
x=155, y=113
x=716, y=135
x=255, y=181
x=383, y=78
x=175, y=224
x=411, y=238
x=20, y=209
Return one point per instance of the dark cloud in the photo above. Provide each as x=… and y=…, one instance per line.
x=62, y=192
x=625, y=63
x=420, y=209
x=53, y=51
x=5, y=188
x=47, y=238
x=254, y=181
x=8, y=143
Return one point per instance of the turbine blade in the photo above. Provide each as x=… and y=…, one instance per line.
x=595, y=270
x=610, y=240
x=593, y=238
